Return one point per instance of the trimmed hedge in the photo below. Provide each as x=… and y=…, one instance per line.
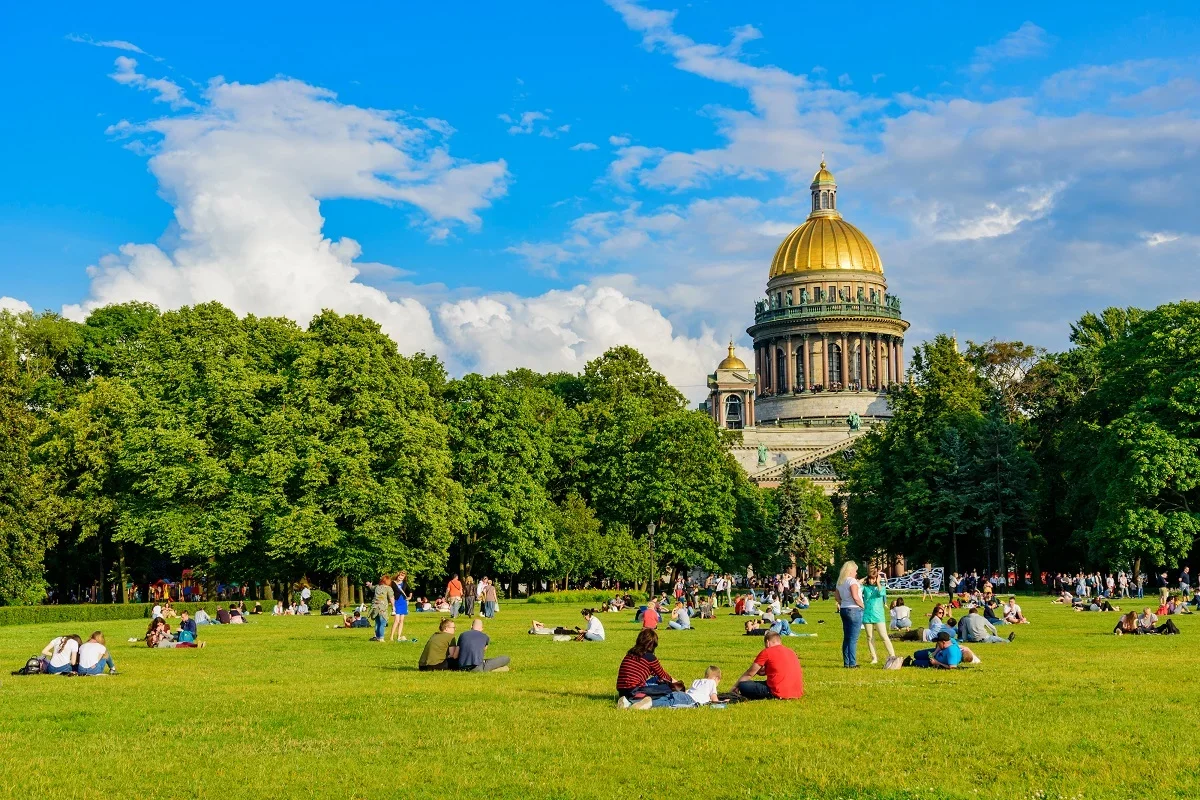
x=97, y=612
x=583, y=596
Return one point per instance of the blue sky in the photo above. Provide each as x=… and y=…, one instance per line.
x=528, y=184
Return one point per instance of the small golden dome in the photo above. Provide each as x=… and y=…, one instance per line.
x=825, y=242
x=731, y=361
x=823, y=176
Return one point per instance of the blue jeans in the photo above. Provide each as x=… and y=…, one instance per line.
x=99, y=668
x=851, y=629
x=454, y=604
x=1141, y=592
x=677, y=625
x=380, y=626
x=923, y=658
x=60, y=670
x=782, y=627
x=754, y=690
x=674, y=699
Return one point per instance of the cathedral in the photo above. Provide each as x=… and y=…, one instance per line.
x=828, y=341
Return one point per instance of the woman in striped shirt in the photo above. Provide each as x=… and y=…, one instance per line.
x=641, y=676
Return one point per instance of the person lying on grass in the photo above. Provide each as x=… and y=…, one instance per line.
x=159, y=635
x=355, y=621
x=61, y=654
x=974, y=628
x=1096, y=605
x=784, y=676
x=946, y=653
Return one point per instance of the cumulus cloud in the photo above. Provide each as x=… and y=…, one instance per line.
x=14, y=305
x=524, y=122
x=562, y=330
x=584, y=146
x=246, y=171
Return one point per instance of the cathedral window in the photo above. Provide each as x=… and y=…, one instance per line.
x=733, y=412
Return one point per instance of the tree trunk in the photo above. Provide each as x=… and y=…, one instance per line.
x=268, y=592
x=121, y=597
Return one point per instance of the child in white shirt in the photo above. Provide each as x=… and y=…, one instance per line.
x=704, y=690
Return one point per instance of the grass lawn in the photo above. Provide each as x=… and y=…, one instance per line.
x=285, y=708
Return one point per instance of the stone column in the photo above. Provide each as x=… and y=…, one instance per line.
x=877, y=377
x=862, y=360
x=891, y=370
x=825, y=360
x=900, y=359
x=757, y=368
x=807, y=362
x=790, y=367
x=844, y=358
x=749, y=423
x=720, y=409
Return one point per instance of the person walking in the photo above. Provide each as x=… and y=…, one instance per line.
x=381, y=605
x=454, y=594
x=489, y=599
x=400, y=606
x=850, y=607
x=874, y=617
x=469, y=597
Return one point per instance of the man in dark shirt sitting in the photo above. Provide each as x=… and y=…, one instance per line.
x=471, y=647
x=187, y=628
x=222, y=615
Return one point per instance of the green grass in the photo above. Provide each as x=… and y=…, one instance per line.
x=286, y=708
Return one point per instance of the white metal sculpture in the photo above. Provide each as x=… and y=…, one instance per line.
x=914, y=579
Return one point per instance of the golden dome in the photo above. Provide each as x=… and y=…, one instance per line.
x=731, y=361
x=825, y=242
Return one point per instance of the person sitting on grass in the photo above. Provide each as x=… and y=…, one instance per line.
x=235, y=615
x=680, y=621
x=785, y=677
x=802, y=601
x=595, y=629
x=901, y=615
x=302, y=609
x=650, y=616
x=707, y=610
x=974, y=628
x=94, y=657
x=355, y=621
x=1177, y=605
x=278, y=610
x=187, y=628
x=1012, y=612
x=1127, y=625
x=159, y=635
x=641, y=680
x=223, y=616
x=472, y=647
x=441, y=606
x=441, y=649
x=60, y=655
x=940, y=622
x=797, y=618
x=1148, y=620
x=202, y=617
x=168, y=612
x=1065, y=597
x=989, y=614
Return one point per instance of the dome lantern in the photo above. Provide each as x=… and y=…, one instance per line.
x=824, y=192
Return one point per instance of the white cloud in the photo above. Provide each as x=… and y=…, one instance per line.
x=1027, y=41
x=525, y=122
x=246, y=171
x=116, y=44
x=563, y=330
x=583, y=146
x=844, y=80
x=619, y=141
x=14, y=305
x=166, y=91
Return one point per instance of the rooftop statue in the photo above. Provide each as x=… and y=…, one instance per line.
x=854, y=421
x=804, y=296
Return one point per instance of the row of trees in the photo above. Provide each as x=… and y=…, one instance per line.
x=254, y=451
x=1087, y=458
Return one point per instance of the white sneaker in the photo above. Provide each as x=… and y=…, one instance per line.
x=644, y=703
x=623, y=703
x=976, y=659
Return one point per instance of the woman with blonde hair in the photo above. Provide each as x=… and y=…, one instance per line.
x=874, y=592
x=850, y=608
x=400, y=605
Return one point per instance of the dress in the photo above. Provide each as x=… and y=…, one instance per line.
x=400, y=606
x=874, y=598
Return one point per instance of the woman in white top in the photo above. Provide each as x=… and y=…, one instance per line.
x=595, y=630
x=61, y=654
x=901, y=615
x=850, y=607
x=93, y=656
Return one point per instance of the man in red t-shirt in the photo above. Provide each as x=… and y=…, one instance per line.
x=785, y=678
x=650, y=615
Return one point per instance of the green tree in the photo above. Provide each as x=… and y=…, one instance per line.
x=579, y=546
x=804, y=524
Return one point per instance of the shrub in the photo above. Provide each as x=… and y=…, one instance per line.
x=583, y=596
x=31, y=615
x=316, y=600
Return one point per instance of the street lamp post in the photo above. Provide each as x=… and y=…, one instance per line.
x=653, y=565
x=987, y=536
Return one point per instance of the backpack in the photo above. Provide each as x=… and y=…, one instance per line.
x=893, y=662
x=36, y=665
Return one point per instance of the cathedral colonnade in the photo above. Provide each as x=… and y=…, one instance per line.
x=804, y=362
